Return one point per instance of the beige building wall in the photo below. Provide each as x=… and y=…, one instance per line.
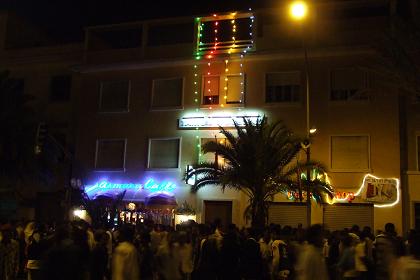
x=277, y=49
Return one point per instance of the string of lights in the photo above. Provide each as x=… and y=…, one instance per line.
x=216, y=47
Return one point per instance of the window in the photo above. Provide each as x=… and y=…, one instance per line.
x=348, y=84
x=124, y=38
x=171, y=34
x=110, y=154
x=167, y=93
x=233, y=87
x=164, y=153
x=234, y=33
x=211, y=157
x=211, y=90
x=60, y=88
x=282, y=87
x=114, y=96
x=350, y=153
x=418, y=152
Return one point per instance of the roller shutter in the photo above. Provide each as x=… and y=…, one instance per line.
x=340, y=216
x=290, y=214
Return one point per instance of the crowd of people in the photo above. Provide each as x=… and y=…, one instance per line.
x=75, y=250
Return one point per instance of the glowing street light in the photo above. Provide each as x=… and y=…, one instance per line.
x=298, y=10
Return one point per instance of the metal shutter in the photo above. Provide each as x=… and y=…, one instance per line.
x=287, y=214
x=338, y=217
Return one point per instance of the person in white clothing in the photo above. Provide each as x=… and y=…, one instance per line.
x=408, y=268
x=311, y=263
x=125, y=263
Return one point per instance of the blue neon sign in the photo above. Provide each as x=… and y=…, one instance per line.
x=150, y=185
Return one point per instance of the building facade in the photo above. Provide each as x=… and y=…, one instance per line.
x=151, y=93
x=41, y=68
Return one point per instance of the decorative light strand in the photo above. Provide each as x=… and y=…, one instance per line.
x=210, y=51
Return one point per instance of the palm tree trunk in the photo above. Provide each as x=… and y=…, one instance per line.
x=259, y=213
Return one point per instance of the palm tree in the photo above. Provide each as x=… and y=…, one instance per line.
x=261, y=161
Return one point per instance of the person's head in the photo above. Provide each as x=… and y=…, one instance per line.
x=347, y=240
x=367, y=230
x=314, y=235
x=390, y=228
x=355, y=229
x=126, y=233
x=101, y=237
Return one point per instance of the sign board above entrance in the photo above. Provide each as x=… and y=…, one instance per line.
x=215, y=121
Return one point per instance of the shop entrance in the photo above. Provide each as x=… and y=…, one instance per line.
x=340, y=216
x=221, y=210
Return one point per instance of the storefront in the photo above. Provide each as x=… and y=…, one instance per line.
x=287, y=213
x=343, y=215
x=138, y=202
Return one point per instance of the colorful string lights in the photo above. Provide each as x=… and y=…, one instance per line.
x=221, y=38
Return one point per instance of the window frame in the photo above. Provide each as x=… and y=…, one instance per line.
x=367, y=84
x=175, y=108
x=214, y=155
x=98, y=140
x=301, y=97
x=221, y=90
x=164, y=138
x=351, y=170
x=127, y=110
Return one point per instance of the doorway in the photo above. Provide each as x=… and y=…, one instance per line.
x=218, y=210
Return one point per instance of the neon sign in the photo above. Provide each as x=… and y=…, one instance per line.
x=383, y=192
x=216, y=121
x=150, y=185
x=338, y=196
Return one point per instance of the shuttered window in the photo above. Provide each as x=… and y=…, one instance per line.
x=167, y=93
x=223, y=89
x=235, y=89
x=110, y=154
x=164, y=153
x=287, y=214
x=348, y=84
x=282, y=87
x=350, y=153
x=340, y=216
x=211, y=90
x=114, y=96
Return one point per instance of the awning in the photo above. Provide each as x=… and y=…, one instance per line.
x=161, y=201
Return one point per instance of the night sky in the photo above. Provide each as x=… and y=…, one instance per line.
x=66, y=18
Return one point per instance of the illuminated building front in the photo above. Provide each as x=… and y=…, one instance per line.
x=145, y=110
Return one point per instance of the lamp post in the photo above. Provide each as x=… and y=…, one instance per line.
x=298, y=12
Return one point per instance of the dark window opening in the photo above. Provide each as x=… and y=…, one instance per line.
x=171, y=34
x=60, y=88
x=110, y=154
x=114, y=96
x=115, y=39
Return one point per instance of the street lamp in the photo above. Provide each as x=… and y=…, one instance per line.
x=298, y=12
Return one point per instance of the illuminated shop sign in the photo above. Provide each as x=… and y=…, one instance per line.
x=338, y=196
x=150, y=185
x=216, y=121
x=382, y=192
